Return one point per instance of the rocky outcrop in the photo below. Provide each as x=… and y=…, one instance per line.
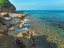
x=25, y=39
x=4, y=14
x=7, y=41
x=7, y=7
x=9, y=24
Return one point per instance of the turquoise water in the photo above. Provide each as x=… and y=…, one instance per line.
x=50, y=17
x=49, y=23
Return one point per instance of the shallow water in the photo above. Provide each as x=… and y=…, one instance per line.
x=49, y=23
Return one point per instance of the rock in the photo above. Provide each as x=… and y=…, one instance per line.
x=22, y=22
x=2, y=20
x=18, y=21
x=3, y=29
x=4, y=14
x=7, y=41
x=7, y=18
x=21, y=25
x=11, y=28
x=13, y=21
x=25, y=38
x=19, y=15
x=20, y=44
x=24, y=15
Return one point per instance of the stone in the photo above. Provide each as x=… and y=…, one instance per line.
x=7, y=18
x=21, y=26
x=3, y=29
x=11, y=28
x=2, y=20
x=4, y=14
x=24, y=15
x=22, y=22
x=25, y=38
x=7, y=41
x=18, y=15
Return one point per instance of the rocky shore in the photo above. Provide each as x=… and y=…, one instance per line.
x=14, y=28
x=14, y=32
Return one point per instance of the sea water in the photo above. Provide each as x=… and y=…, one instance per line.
x=49, y=23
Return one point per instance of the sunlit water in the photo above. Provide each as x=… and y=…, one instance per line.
x=49, y=23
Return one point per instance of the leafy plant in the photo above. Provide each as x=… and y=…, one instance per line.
x=2, y=1
x=6, y=3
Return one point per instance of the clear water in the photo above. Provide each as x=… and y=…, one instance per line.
x=49, y=23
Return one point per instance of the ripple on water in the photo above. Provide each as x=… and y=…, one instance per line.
x=54, y=34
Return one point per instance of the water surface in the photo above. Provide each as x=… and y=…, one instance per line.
x=49, y=23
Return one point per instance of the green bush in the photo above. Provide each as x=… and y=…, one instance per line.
x=2, y=1
x=6, y=3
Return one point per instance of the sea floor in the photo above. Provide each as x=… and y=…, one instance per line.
x=48, y=36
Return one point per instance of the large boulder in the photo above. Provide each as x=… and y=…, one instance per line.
x=7, y=41
x=25, y=38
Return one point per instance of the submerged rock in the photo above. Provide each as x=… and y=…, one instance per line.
x=22, y=30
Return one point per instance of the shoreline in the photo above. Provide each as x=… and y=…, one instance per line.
x=49, y=31
x=16, y=25
x=44, y=36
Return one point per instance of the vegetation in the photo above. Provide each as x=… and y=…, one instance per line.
x=5, y=3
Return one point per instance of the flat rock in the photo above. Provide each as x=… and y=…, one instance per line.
x=7, y=41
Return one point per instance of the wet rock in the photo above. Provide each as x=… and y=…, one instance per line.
x=20, y=44
x=22, y=30
x=25, y=38
x=2, y=20
x=7, y=18
x=11, y=28
x=21, y=26
x=26, y=21
x=3, y=29
x=24, y=15
x=7, y=41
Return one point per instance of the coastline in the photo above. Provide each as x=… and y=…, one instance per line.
x=46, y=36
x=51, y=32
x=16, y=25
